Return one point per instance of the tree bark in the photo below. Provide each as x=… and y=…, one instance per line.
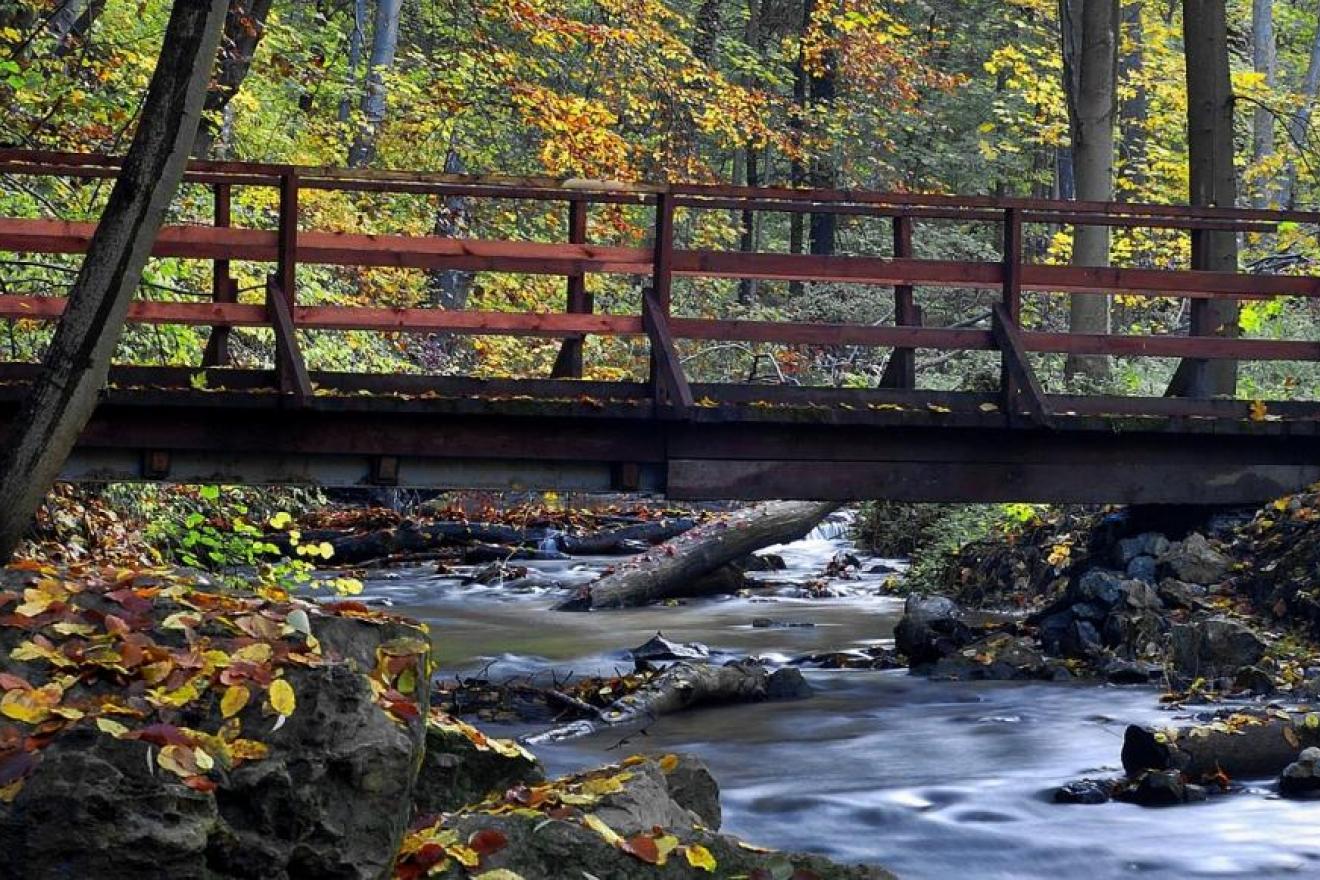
x=355, y=40
x=1299, y=123
x=384, y=43
x=1255, y=750
x=245, y=25
x=1264, y=59
x=1089, y=31
x=77, y=362
x=1213, y=182
x=1134, y=107
x=682, y=686
x=672, y=568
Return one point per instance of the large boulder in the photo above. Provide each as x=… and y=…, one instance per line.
x=1214, y=647
x=463, y=766
x=931, y=627
x=999, y=657
x=186, y=733
x=1194, y=561
x=642, y=819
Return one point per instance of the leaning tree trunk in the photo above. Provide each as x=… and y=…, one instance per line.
x=78, y=360
x=672, y=568
x=1252, y=750
x=1213, y=182
x=1299, y=123
x=1090, y=55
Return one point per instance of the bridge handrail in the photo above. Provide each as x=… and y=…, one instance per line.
x=288, y=245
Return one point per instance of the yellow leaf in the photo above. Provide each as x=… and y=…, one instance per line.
x=1258, y=410
x=499, y=874
x=257, y=652
x=177, y=759
x=110, y=726
x=668, y=763
x=598, y=825
x=699, y=857
x=10, y=791
x=248, y=750
x=1291, y=736
x=31, y=706
x=203, y=760
x=281, y=697
x=327, y=550
x=235, y=698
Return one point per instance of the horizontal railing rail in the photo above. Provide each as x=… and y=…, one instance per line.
x=287, y=246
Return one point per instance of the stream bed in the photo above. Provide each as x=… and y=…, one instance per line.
x=930, y=779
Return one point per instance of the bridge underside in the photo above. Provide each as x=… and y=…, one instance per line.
x=756, y=442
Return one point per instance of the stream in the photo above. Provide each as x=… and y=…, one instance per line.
x=930, y=779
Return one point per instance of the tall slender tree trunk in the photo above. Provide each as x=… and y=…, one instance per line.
x=1299, y=123
x=1213, y=182
x=77, y=362
x=824, y=174
x=384, y=43
x=356, y=39
x=1134, y=105
x=245, y=25
x=1264, y=59
x=1089, y=29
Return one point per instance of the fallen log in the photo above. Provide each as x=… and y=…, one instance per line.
x=683, y=686
x=356, y=547
x=675, y=568
x=1243, y=745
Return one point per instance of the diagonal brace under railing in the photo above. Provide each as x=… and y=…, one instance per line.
x=1025, y=386
x=668, y=381
x=290, y=368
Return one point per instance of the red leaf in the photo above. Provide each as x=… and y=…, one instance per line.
x=200, y=783
x=161, y=735
x=116, y=625
x=10, y=682
x=643, y=847
x=487, y=841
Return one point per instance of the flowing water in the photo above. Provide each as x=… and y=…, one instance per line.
x=933, y=780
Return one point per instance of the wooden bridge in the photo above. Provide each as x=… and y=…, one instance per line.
x=668, y=434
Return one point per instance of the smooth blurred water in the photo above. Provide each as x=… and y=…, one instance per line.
x=933, y=780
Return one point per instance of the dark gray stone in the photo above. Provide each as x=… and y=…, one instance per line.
x=1099, y=586
x=1214, y=647
x=1145, y=544
x=1195, y=561
x=457, y=771
x=931, y=628
x=1176, y=594
x=1161, y=788
x=1254, y=680
x=1083, y=791
x=1302, y=777
x=1120, y=671
x=658, y=649
x=787, y=683
x=1141, y=568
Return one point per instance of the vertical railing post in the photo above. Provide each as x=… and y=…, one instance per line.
x=663, y=268
x=1012, y=301
x=224, y=289
x=568, y=365
x=283, y=283
x=901, y=371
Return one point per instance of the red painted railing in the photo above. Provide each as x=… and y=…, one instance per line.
x=288, y=246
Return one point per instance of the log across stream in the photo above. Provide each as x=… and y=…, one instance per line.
x=924, y=777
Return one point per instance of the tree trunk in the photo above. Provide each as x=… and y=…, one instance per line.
x=682, y=686
x=77, y=362
x=1089, y=30
x=384, y=42
x=245, y=25
x=1299, y=123
x=1134, y=107
x=670, y=569
x=449, y=288
x=1264, y=59
x=1213, y=183
x=355, y=41
x=748, y=243
x=1246, y=751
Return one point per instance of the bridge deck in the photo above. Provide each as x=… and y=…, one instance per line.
x=690, y=440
